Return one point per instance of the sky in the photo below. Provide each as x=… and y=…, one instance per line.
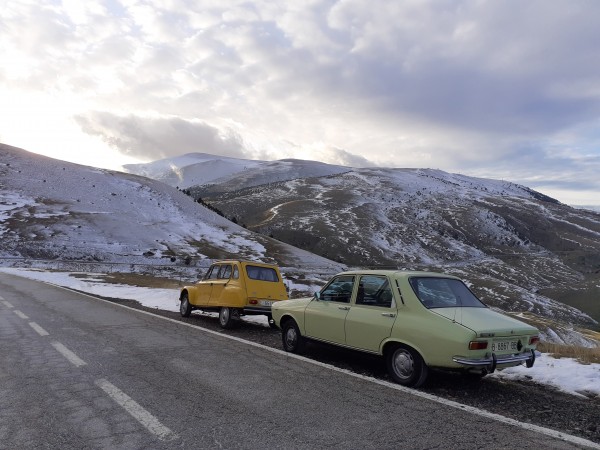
x=564, y=374
x=500, y=89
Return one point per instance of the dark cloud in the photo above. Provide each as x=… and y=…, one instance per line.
x=157, y=138
x=492, y=67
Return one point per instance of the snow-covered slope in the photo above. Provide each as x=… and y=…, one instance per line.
x=203, y=169
x=51, y=209
x=191, y=169
x=521, y=250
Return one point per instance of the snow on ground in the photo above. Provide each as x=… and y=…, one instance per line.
x=565, y=374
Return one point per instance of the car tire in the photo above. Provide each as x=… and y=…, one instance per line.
x=406, y=366
x=228, y=317
x=291, y=338
x=185, y=308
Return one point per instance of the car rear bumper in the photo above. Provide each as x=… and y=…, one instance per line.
x=256, y=309
x=490, y=363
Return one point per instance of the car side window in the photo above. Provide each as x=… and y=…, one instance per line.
x=339, y=289
x=213, y=273
x=236, y=273
x=374, y=291
x=225, y=272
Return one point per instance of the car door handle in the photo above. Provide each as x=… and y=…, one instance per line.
x=344, y=308
x=388, y=314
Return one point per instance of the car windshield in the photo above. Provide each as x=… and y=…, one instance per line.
x=444, y=293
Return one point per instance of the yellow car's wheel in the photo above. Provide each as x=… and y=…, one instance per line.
x=228, y=317
x=185, y=308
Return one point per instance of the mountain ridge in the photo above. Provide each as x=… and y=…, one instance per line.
x=491, y=233
x=526, y=249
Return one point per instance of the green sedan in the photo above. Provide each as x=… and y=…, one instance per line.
x=416, y=320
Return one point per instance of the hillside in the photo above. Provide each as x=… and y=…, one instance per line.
x=55, y=210
x=523, y=252
x=526, y=252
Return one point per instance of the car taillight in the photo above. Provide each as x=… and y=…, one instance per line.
x=478, y=345
x=534, y=340
x=253, y=302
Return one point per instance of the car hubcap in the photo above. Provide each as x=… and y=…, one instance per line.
x=291, y=337
x=404, y=364
x=224, y=315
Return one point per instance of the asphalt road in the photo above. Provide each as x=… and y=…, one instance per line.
x=78, y=373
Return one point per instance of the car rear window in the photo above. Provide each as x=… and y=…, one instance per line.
x=444, y=293
x=262, y=273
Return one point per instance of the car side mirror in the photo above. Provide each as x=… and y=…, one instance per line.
x=317, y=296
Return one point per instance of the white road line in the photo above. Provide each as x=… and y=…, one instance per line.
x=38, y=329
x=7, y=304
x=527, y=426
x=20, y=314
x=150, y=422
x=71, y=357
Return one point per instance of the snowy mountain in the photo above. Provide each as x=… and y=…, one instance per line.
x=51, y=209
x=525, y=252
x=195, y=169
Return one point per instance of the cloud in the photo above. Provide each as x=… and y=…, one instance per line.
x=156, y=138
x=478, y=87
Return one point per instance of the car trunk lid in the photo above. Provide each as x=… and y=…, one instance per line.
x=485, y=322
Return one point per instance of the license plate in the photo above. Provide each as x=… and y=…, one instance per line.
x=504, y=346
x=266, y=302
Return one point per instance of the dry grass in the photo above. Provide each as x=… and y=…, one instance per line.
x=584, y=355
x=141, y=280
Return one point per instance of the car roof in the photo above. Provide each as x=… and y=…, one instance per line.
x=398, y=273
x=243, y=261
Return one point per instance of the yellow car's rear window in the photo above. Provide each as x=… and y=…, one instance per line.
x=262, y=273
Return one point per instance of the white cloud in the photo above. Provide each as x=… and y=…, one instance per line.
x=156, y=137
x=457, y=85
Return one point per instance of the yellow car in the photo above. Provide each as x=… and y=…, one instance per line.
x=235, y=288
x=415, y=320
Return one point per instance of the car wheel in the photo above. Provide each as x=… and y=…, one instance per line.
x=291, y=338
x=228, y=317
x=406, y=366
x=185, y=308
